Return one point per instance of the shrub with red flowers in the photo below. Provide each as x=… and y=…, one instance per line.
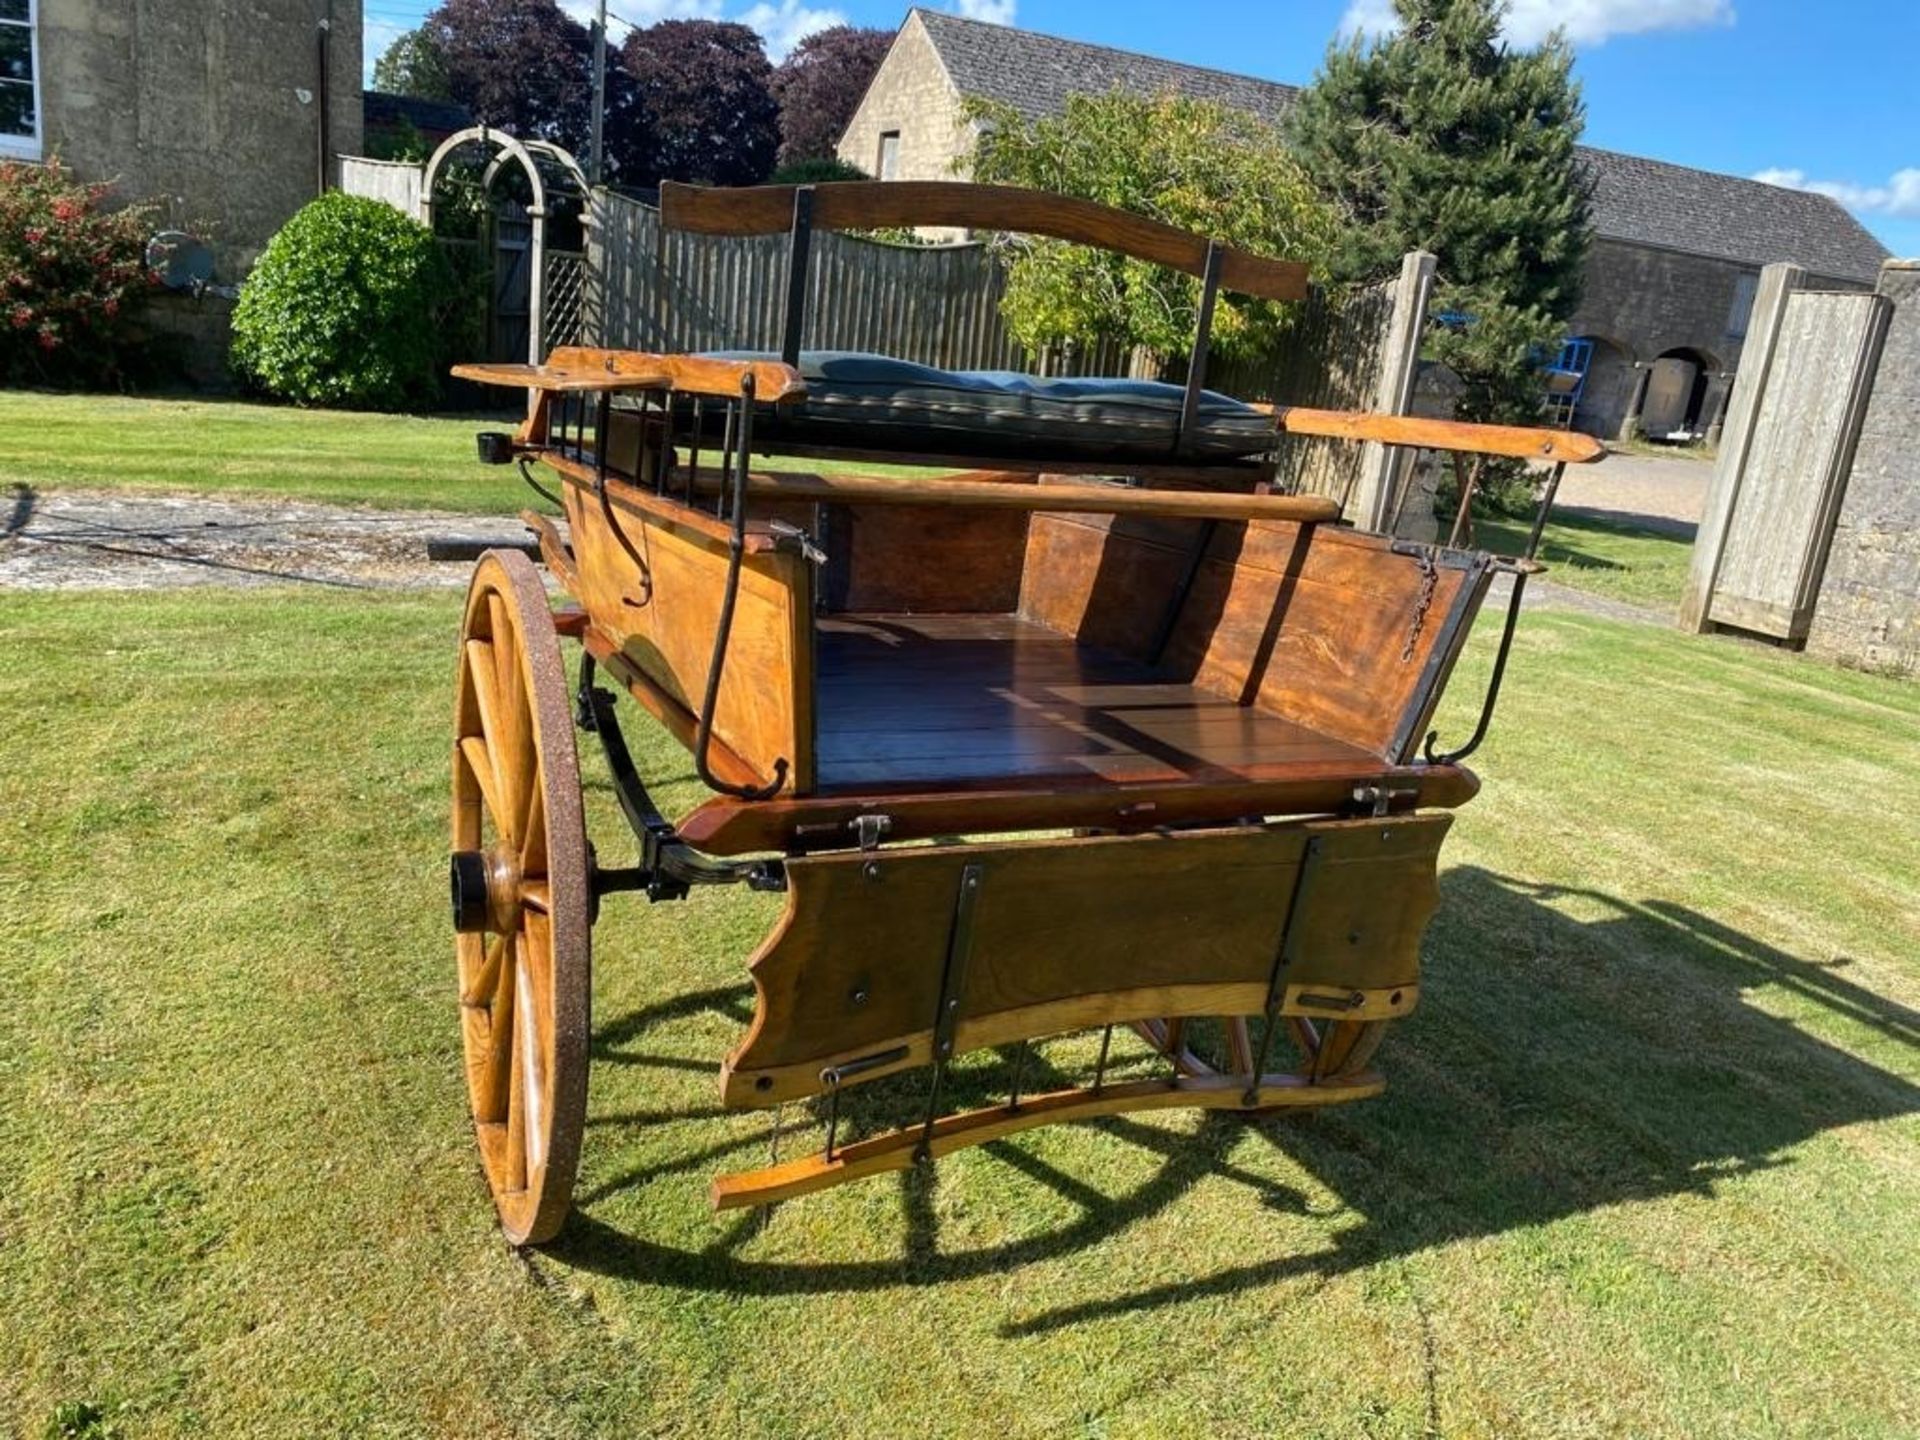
x=72, y=274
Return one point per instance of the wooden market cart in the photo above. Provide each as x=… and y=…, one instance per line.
x=1213, y=701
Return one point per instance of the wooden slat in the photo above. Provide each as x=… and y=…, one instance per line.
x=874, y=205
x=1002, y=803
x=686, y=374
x=1064, y=499
x=895, y=1150
x=558, y=379
x=1522, y=442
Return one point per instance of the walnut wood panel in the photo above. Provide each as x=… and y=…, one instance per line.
x=896, y=1149
x=1322, y=626
x=1068, y=933
x=988, y=697
x=874, y=205
x=733, y=827
x=662, y=614
x=922, y=559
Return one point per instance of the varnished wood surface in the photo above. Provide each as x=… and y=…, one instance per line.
x=876, y=205
x=560, y=379
x=687, y=374
x=1061, y=498
x=941, y=699
x=1520, y=441
x=895, y=1149
x=1070, y=933
x=660, y=611
x=732, y=827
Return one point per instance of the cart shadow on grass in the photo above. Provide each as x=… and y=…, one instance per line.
x=1558, y=1066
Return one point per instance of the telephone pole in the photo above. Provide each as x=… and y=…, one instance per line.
x=595, y=170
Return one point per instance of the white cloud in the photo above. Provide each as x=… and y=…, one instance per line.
x=1899, y=197
x=374, y=40
x=787, y=23
x=994, y=12
x=1586, y=22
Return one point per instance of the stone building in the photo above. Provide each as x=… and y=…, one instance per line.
x=1676, y=256
x=228, y=114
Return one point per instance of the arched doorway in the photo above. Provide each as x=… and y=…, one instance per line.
x=1679, y=384
x=518, y=209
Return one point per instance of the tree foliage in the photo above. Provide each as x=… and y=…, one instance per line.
x=413, y=65
x=1439, y=137
x=72, y=277
x=1190, y=163
x=352, y=304
x=705, y=88
x=819, y=85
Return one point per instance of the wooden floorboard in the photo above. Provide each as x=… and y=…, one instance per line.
x=966, y=698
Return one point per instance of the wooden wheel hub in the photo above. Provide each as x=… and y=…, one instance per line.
x=520, y=897
x=487, y=890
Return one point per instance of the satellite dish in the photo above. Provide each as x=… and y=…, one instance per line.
x=181, y=262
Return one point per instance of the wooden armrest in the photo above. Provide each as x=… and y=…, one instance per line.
x=558, y=379
x=689, y=374
x=1067, y=499
x=1520, y=441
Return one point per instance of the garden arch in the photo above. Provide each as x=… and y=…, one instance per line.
x=552, y=280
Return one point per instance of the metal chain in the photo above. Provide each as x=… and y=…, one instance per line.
x=1429, y=576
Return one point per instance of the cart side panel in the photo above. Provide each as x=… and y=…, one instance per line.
x=923, y=559
x=1070, y=933
x=662, y=610
x=1329, y=628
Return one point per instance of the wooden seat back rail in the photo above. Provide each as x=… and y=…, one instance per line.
x=853, y=205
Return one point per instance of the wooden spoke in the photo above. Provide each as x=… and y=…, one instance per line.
x=524, y=993
x=479, y=990
x=490, y=1105
x=533, y=833
x=480, y=765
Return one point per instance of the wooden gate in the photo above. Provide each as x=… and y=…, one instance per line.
x=1784, y=457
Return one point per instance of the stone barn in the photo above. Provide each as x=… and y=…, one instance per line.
x=1676, y=256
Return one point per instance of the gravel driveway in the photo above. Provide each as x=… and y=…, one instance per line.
x=93, y=540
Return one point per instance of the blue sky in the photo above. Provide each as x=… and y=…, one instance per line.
x=1818, y=95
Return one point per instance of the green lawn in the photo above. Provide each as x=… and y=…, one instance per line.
x=1649, y=1163
x=227, y=447
x=1616, y=559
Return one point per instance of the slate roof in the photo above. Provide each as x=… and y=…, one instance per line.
x=380, y=109
x=1647, y=202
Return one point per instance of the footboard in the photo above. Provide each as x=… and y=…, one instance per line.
x=888, y=960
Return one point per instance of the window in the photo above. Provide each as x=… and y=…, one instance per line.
x=889, y=166
x=19, y=91
x=1742, y=306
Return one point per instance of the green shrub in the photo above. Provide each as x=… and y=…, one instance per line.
x=72, y=277
x=353, y=304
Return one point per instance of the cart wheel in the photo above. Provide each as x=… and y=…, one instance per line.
x=520, y=898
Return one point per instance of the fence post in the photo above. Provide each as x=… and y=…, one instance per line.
x=1380, y=465
x=1777, y=284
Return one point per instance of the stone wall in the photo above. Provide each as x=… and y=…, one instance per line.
x=913, y=95
x=1869, y=609
x=209, y=107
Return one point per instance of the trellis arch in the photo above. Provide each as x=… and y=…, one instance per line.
x=551, y=173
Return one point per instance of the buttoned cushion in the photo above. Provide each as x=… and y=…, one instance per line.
x=874, y=402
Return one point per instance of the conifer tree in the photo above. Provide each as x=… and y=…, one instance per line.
x=1439, y=137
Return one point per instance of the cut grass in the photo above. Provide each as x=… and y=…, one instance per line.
x=1616, y=559
x=1648, y=1164
x=228, y=447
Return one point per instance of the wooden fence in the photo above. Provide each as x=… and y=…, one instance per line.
x=651, y=289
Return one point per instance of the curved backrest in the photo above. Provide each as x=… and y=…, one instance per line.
x=876, y=205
